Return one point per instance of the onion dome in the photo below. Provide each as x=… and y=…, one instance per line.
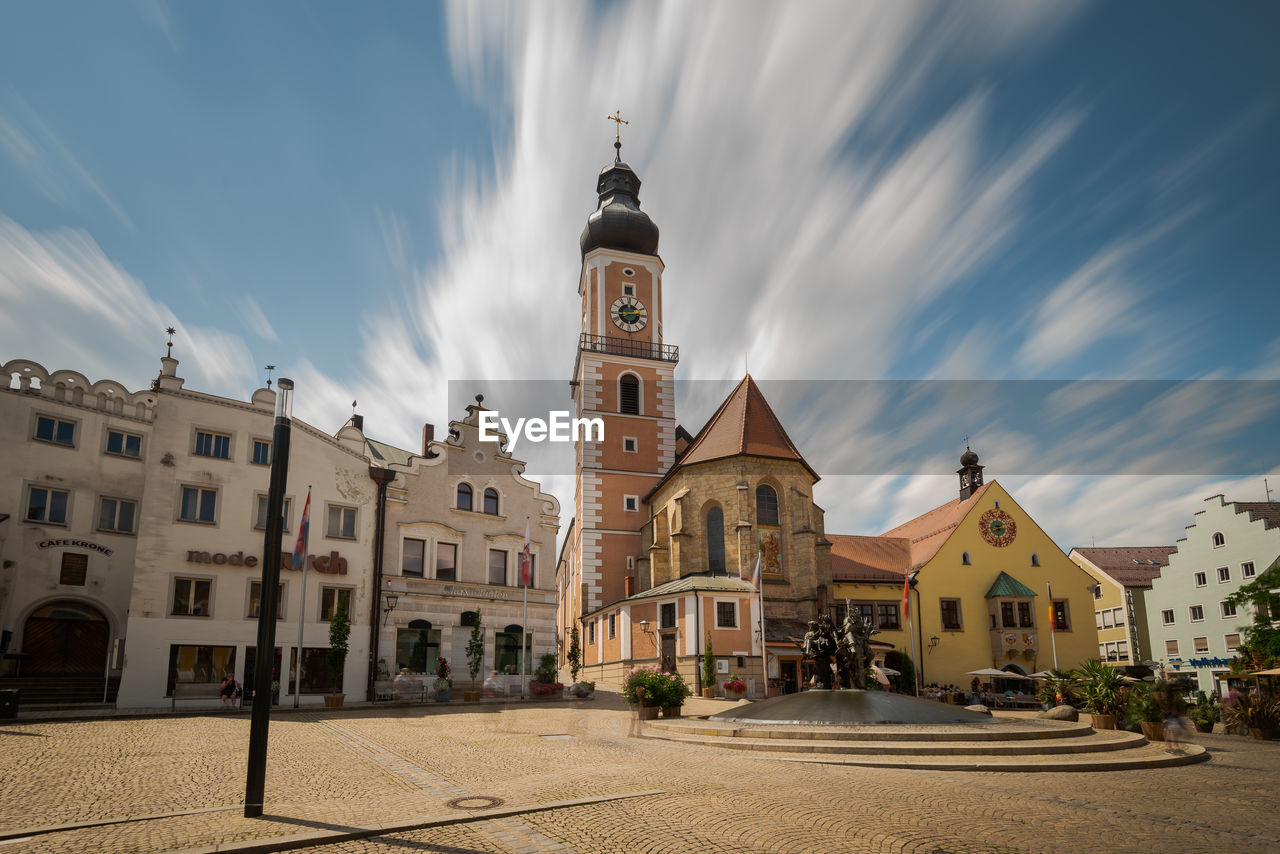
x=968, y=458
x=618, y=223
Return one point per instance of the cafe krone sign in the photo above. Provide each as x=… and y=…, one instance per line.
x=332, y=563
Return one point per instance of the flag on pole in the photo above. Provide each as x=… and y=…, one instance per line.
x=526, y=558
x=300, y=548
x=906, y=596
x=1053, y=623
x=755, y=575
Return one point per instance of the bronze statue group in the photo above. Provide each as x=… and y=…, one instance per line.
x=840, y=655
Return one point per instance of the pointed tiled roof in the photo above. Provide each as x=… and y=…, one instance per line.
x=1006, y=585
x=1130, y=566
x=928, y=532
x=860, y=558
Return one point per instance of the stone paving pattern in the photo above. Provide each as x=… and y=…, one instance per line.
x=342, y=769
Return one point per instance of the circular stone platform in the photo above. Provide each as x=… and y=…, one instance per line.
x=850, y=706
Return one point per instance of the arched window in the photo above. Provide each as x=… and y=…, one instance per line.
x=766, y=505
x=491, y=502
x=629, y=395
x=1219, y=540
x=965, y=559
x=1035, y=559
x=464, y=496
x=715, y=540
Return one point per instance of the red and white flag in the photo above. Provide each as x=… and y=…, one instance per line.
x=526, y=559
x=300, y=548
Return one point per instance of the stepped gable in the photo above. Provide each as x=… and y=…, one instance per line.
x=1266, y=511
x=1130, y=566
x=927, y=533
x=743, y=425
x=862, y=558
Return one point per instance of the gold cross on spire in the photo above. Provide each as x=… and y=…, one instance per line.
x=617, y=117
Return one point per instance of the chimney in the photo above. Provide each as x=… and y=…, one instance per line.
x=428, y=436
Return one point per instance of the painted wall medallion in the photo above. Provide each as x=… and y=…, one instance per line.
x=997, y=528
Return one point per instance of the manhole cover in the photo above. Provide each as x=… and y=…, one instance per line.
x=475, y=802
x=559, y=737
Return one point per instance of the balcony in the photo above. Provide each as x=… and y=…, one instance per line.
x=629, y=347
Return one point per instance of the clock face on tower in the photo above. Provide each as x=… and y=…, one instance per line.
x=629, y=314
x=997, y=528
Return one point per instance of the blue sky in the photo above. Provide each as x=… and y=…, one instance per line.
x=384, y=198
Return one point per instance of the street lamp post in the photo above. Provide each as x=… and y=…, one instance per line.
x=256, y=777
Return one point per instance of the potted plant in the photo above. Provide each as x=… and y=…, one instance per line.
x=1059, y=688
x=339, y=638
x=642, y=687
x=1204, y=714
x=1261, y=715
x=1101, y=692
x=581, y=690
x=544, y=683
x=443, y=683
x=708, y=670
x=674, y=691
x=475, y=658
x=735, y=688
x=1146, y=707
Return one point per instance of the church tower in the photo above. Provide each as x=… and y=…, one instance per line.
x=970, y=473
x=623, y=375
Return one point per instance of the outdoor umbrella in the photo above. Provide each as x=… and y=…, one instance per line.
x=997, y=674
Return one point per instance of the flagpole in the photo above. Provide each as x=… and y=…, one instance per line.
x=764, y=646
x=524, y=583
x=911, y=630
x=302, y=607
x=1053, y=634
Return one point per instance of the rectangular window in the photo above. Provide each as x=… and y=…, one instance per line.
x=951, y=614
x=1007, y=619
x=613, y=625
x=1118, y=615
x=47, y=505
x=1197, y=613
x=315, y=671
x=497, y=566
x=1224, y=574
x=629, y=444
x=204, y=664
x=446, y=562
x=213, y=445
x=1247, y=570
x=124, y=444
x=75, y=569
x=1166, y=617
x=1232, y=641
x=417, y=649
x=56, y=430
x=191, y=597
x=414, y=555
x=1106, y=619
x=333, y=600
x=198, y=505
x=260, y=514
x=887, y=615
x=261, y=452
x=1061, y=616
x=506, y=652
x=667, y=615
x=1097, y=591
x=630, y=502
x=255, y=600
x=342, y=522
x=591, y=632
x=1171, y=648
x=1024, y=615
x=116, y=515
x=1202, y=578
x=726, y=615
x=865, y=610
x=1228, y=609
x=1122, y=648
x=1200, y=644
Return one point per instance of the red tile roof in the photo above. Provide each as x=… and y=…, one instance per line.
x=927, y=533
x=1130, y=566
x=1268, y=511
x=859, y=558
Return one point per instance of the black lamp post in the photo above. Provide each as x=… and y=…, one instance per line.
x=256, y=778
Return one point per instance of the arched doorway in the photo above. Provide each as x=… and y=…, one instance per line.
x=65, y=639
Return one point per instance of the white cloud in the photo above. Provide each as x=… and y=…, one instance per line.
x=255, y=318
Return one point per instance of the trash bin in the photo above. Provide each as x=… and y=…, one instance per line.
x=9, y=703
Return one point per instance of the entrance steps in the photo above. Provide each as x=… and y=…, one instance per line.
x=1001, y=745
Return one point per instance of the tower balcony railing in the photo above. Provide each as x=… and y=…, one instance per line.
x=629, y=347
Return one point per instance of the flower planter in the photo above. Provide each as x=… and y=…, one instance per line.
x=442, y=696
x=1204, y=727
x=1104, y=721
x=734, y=695
x=671, y=711
x=1152, y=730
x=709, y=693
x=471, y=696
x=333, y=701
x=646, y=713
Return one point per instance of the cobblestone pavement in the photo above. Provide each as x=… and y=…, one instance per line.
x=332, y=771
